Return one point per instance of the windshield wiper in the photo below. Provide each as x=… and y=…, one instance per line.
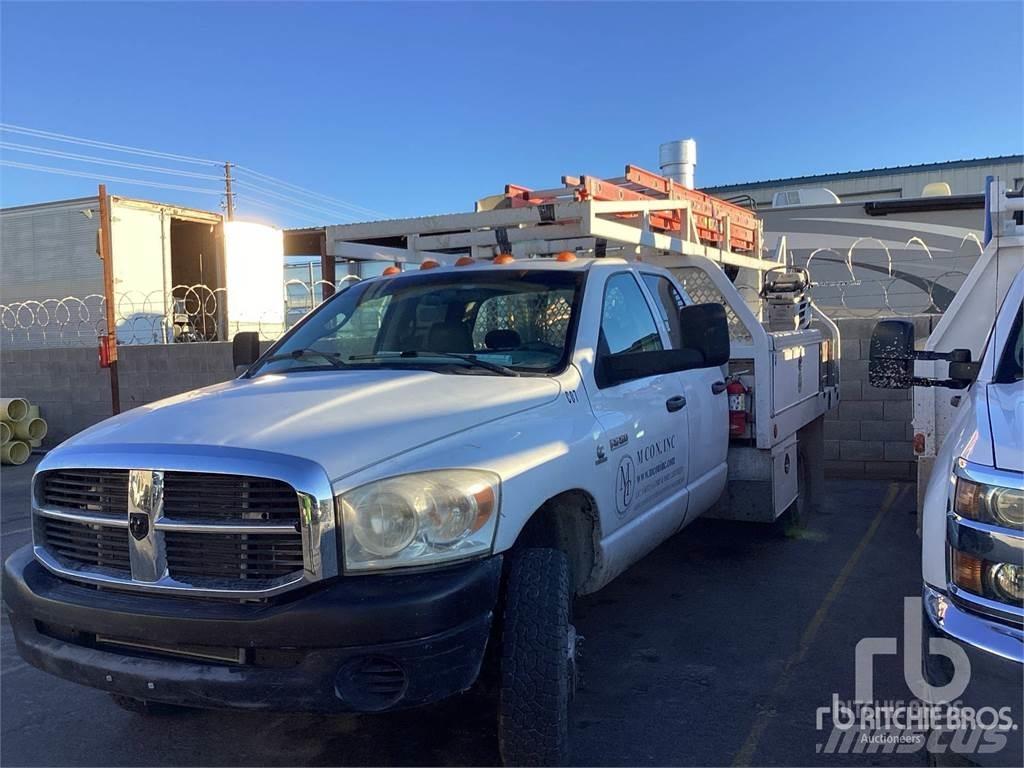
x=471, y=360
x=298, y=354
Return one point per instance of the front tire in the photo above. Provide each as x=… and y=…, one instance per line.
x=538, y=665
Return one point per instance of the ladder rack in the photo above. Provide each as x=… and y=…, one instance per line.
x=710, y=217
x=639, y=215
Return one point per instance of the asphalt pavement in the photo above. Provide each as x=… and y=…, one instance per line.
x=716, y=649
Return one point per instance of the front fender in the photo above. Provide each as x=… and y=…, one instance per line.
x=539, y=454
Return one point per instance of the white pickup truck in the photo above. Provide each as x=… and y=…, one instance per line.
x=411, y=485
x=969, y=433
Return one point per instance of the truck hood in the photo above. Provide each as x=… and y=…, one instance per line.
x=342, y=421
x=1006, y=416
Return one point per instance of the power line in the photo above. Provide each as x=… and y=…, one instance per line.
x=310, y=193
x=103, y=161
x=247, y=199
x=104, y=177
x=104, y=144
x=114, y=147
x=294, y=200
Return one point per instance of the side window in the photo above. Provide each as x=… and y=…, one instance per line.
x=627, y=324
x=668, y=302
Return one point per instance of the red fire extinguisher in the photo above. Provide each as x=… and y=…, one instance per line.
x=737, y=407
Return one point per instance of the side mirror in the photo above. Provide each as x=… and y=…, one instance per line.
x=891, y=358
x=627, y=366
x=704, y=328
x=245, y=348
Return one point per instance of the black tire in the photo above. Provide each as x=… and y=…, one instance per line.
x=538, y=667
x=146, y=708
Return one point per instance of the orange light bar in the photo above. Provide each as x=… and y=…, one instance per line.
x=504, y=258
x=465, y=261
x=388, y=271
x=566, y=256
x=430, y=264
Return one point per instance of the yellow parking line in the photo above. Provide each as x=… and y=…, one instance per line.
x=746, y=753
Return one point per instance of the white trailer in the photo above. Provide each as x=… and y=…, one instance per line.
x=172, y=266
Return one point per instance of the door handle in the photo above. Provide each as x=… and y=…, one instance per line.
x=676, y=403
x=718, y=388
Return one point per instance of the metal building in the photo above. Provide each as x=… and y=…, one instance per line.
x=964, y=177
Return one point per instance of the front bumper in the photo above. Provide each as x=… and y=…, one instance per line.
x=995, y=651
x=366, y=643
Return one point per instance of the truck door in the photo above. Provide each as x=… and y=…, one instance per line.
x=644, y=420
x=707, y=403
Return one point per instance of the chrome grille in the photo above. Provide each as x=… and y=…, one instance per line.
x=209, y=531
x=232, y=555
x=90, y=490
x=228, y=497
x=88, y=544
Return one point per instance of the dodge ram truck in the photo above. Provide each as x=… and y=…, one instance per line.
x=403, y=494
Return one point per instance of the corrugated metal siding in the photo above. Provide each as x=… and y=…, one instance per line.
x=962, y=181
x=49, y=251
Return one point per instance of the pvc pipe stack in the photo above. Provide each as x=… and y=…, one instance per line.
x=33, y=414
x=13, y=408
x=22, y=428
x=15, y=452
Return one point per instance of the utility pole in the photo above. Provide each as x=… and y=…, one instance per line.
x=109, y=341
x=228, y=194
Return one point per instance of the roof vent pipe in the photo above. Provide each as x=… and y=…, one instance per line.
x=677, y=160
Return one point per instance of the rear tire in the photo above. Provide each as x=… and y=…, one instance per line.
x=538, y=664
x=145, y=707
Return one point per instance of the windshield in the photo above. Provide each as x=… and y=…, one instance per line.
x=485, y=322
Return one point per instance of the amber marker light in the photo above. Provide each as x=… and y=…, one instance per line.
x=967, y=572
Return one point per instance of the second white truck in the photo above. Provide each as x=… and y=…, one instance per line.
x=969, y=436
x=405, y=493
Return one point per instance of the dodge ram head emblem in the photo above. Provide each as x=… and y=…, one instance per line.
x=138, y=524
x=145, y=510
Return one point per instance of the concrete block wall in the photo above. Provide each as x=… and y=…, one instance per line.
x=73, y=392
x=870, y=434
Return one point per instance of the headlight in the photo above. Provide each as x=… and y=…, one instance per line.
x=997, y=581
x=1007, y=506
x=989, y=504
x=1008, y=580
x=419, y=519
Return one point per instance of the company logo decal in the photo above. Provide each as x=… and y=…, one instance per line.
x=625, y=484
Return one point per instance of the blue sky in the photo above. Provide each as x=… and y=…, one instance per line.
x=421, y=108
